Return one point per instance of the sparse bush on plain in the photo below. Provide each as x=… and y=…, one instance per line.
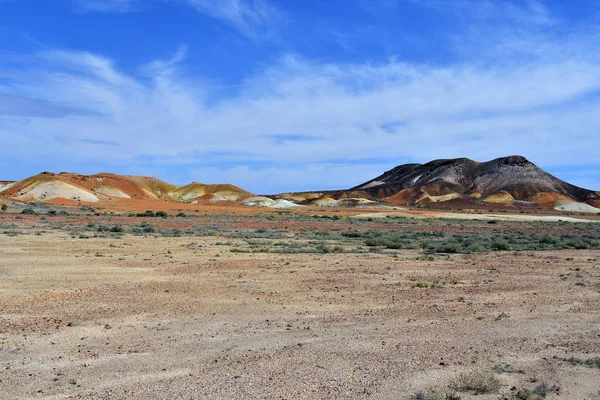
x=593, y=362
x=478, y=381
x=4, y=207
x=425, y=285
x=473, y=242
x=538, y=393
x=504, y=368
x=28, y=211
x=434, y=395
x=116, y=228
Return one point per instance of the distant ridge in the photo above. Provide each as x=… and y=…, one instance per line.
x=48, y=186
x=460, y=182
x=514, y=175
x=503, y=181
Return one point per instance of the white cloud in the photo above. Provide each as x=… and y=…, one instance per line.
x=526, y=12
x=119, y=6
x=252, y=18
x=305, y=114
x=300, y=124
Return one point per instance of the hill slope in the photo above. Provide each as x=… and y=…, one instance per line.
x=503, y=179
x=94, y=188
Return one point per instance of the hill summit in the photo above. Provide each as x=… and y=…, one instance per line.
x=503, y=181
x=68, y=186
x=513, y=176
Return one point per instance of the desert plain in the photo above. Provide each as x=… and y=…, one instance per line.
x=240, y=303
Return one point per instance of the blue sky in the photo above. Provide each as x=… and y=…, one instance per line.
x=296, y=95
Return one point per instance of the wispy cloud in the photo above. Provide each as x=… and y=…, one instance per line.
x=117, y=6
x=332, y=111
x=288, y=126
x=255, y=18
x=522, y=12
x=252, y=18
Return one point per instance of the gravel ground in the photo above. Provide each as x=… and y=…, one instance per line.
x=185, y=318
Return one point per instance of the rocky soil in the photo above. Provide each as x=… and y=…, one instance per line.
x=152, y=317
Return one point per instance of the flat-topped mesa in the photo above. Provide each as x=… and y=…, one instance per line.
x=502, y=179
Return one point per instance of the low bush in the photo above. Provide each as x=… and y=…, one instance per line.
x=478, y=381
x=434, y=395
x=593, y=362
x=116, y=228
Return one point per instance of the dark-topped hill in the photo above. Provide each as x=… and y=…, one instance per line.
x=513, y=175
x=462, y=182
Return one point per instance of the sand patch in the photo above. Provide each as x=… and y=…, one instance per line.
x=576, y=207
x=148, y=193
x=300, y=197
x=55, y=189
x=325, y=202
x=195, y=190
x=437, y=199
x=547, y=197
x=7, y=186
x=226, y=196
x=282, y=203
x=371, y=184
x=113, y=192
x=485, y=217
x=355, y=202
x=500, y=197
x=259, y=201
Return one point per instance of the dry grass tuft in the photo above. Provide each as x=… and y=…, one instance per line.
x=478, y=381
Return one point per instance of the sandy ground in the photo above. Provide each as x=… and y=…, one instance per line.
x=185, y=318
x=477, y=216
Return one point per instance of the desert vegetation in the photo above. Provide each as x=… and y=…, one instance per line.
x=324, y=305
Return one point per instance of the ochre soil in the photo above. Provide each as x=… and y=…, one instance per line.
x=186, y=318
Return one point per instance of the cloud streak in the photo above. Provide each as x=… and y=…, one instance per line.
x=256, y=19
x=332, y=111
x=299, y=124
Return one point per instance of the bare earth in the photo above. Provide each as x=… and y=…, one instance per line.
x=185, y=318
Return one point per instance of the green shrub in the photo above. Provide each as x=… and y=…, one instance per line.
x=447, y=247
x=28, y=211
x=593, y=362
x=116, y=228
x=322, y=248
x=504, y=368
x=478, y=381
x=434, y=395
x=499, y=245
x=180, y=214
x=427, y=285
x=3, y=208
x=162, y=214
x=148, y=229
